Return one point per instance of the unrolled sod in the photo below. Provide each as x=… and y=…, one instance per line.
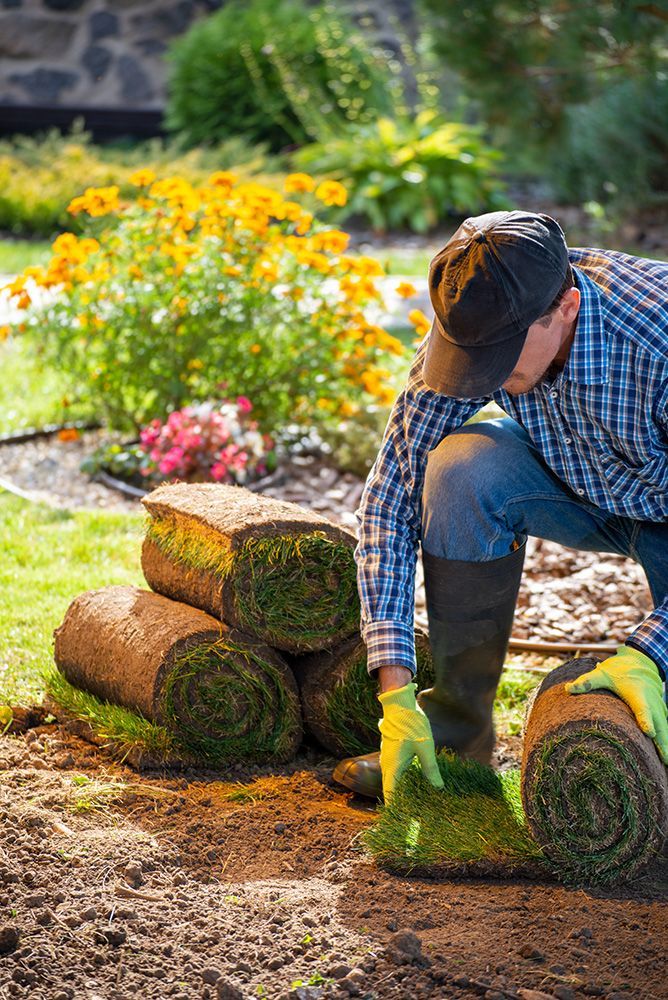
x=269, y=567
x=594, y=790
x=224, y=695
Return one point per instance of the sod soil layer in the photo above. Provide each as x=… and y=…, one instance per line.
x=246, y=883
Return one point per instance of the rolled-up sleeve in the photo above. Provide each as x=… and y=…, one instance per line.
x=389, y=515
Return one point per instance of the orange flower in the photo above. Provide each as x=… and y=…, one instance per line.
x=96, y=201
x=406, y=290
x=298, y=182
x=222, y=179
x=68, y=434
x=421, y=323
x=255, y=349
x=333, y=240
x=331, y=193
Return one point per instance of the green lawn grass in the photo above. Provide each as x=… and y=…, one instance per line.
x=17, y=254
x=48, y=557
x=31, y=394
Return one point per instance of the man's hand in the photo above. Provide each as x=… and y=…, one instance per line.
x=405, y=732
x=635, y=678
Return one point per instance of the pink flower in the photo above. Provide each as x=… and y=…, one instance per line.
x=244, y=404
x=171, y=460
x=219, y=471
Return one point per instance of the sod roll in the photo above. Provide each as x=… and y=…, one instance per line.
x=271, y=568
x=594, y=790
x=225, y=696
x=338, y=696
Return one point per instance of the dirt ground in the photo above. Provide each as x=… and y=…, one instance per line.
x=115, y=884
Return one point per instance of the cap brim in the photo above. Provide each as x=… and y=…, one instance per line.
x=467, y=372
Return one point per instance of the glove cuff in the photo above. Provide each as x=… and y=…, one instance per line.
x=403, y=697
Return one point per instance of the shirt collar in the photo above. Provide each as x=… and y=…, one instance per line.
x=587, y=360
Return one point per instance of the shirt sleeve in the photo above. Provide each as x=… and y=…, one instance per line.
x=651, y=636
x=389, y=515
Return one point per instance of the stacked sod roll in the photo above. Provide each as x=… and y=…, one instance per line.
x=594, y=790
x=268, y=567
x=239, y=582
x=339, y=697
x=225, y=696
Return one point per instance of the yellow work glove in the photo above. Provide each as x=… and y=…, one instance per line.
x=635, y=678
x=405, y=732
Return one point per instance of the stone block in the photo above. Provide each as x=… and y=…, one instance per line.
x=26, y=37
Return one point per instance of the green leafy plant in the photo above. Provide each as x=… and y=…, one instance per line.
x=272, y=70
x=412, y=171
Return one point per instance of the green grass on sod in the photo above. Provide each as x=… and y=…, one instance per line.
x=283, y=582
x=475, y=824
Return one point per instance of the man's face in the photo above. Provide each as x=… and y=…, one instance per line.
x=545, y=348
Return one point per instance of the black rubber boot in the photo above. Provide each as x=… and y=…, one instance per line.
x=470, y=608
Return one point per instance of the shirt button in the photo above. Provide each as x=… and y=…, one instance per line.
x=567, y=440
x=581, y=492
x=554, y=393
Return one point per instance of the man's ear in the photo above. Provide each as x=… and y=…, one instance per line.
x=570, y=304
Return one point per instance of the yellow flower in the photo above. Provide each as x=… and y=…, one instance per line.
x=64, y=244
x=366, y=266
x=331, y=193
x=224, y=179
x=265, y=269
x=195, y=363
x=142, y=177
x=255, y=349
x=96, y=201
x=295, y=293
x=421, y=323
x=304, y=223
x=406, y=290
x=298, y=182
x=347, y=409
x=4, y=332
x=332, y=240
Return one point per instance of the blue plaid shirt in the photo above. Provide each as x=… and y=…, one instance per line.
x=601, y=425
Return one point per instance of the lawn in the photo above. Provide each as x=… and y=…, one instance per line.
x=48, y=557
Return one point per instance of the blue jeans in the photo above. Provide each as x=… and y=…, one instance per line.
x=487, y=486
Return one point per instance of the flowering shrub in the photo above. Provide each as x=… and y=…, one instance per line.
x=165, y=294
x=206, y=441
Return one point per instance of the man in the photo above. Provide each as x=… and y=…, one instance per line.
x=573, y=346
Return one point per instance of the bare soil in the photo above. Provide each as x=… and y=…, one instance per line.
x=115, y=884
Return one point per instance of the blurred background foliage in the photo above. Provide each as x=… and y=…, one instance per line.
x=448, y=112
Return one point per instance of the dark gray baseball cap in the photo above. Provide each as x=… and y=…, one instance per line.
x=497, y=275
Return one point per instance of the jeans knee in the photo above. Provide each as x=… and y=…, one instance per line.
x=467, y=478
x=465, y=463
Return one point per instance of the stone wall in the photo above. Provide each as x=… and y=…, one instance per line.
x=88, y=53
x=97, y=54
